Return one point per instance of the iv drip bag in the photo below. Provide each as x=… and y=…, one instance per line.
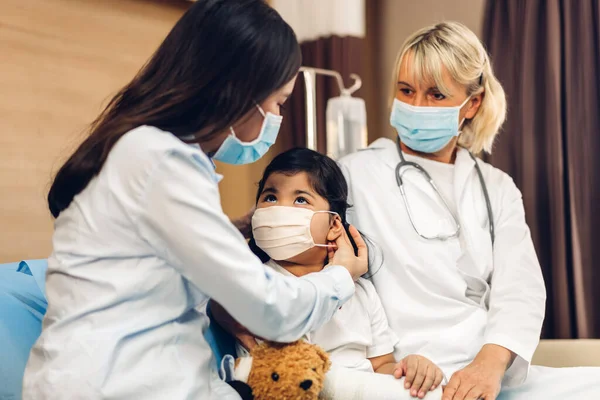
x=346, y=125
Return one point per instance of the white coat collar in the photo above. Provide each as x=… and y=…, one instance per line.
x=464, y=164
x=217, y=177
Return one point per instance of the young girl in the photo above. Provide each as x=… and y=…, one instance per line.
x=300, y=211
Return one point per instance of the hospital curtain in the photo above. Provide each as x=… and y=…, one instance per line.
x=332, y=36
x=547, y=56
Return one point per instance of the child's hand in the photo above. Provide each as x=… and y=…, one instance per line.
x=421, y=375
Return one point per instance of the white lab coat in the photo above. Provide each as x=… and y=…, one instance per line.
x=134, y=254
x=443, y=304
x=441, y=308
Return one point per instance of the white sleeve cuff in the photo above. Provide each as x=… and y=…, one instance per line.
x=381, y=350
x=518, y=371
x=343, y=284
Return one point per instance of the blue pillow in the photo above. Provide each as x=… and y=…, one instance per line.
x=221, y=342
x=37, y=269
x=22, y=308
x=9, y=266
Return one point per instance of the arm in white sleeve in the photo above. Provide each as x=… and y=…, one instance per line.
x=518, y=294
x=183, y=221
x=383, y=338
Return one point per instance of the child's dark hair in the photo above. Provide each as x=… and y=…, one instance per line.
x=326, y=178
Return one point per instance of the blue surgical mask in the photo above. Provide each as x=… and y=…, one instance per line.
x=425, y=129
x=234, y=151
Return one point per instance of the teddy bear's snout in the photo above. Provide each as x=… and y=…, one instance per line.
x=305, y=385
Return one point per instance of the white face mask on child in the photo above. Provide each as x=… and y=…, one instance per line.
x=284, y=232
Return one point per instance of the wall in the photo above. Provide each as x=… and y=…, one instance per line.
x=389, y=23
x=60, y=61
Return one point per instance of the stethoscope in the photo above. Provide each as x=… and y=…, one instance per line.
x=404, y=165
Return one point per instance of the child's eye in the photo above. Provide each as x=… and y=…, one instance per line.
x=301, y=200
x=270, y=198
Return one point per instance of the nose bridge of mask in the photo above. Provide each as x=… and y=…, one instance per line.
x=397, y=104
x=274, y=216
x=266, y=220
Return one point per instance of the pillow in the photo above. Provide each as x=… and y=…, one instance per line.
x=220, y=341
x=22, y=308
x=37, y=269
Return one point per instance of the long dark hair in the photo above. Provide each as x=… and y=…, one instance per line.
x=221, y=58
x=326, y=178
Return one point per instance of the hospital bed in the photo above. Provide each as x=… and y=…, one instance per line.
x=568, y=353
x=23, y=304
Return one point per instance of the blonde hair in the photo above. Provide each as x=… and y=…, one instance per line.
x=455, y=47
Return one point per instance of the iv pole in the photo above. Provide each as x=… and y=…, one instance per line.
x=310, y=84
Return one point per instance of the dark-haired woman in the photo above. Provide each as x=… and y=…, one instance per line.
x=140, y=239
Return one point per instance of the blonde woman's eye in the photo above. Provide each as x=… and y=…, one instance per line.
x=406, y=92
x=438, y=96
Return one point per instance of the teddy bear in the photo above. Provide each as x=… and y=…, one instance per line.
x=302, y=371
x=282, y=372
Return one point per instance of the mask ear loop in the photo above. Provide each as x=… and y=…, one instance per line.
x=260, y=110
x=462, y=121
x=325, y=245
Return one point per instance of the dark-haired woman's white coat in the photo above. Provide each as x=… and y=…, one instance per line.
x=135, y=254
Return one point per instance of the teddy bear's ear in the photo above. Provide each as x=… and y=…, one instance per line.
x=325, y=357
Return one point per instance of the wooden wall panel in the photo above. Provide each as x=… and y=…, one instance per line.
x=60, y=61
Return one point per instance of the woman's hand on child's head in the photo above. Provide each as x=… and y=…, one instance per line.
x=421, y=375
x=344, y=255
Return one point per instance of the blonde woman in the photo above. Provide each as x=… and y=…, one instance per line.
x=461, y=283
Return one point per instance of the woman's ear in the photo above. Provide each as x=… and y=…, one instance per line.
x=473, y=106
x=336, y=229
